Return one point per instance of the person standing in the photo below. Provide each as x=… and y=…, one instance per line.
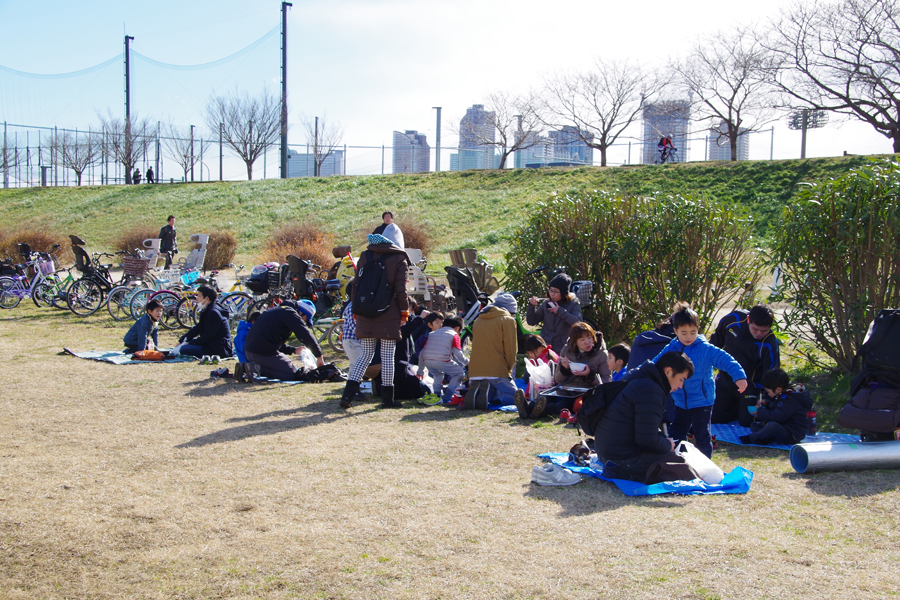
x=136, y=176
x=167, y=243
x=151, y=178
x=390, y=230
x=384, y=326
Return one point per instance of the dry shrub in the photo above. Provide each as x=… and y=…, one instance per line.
x=134, y=237
x=309, y=241
x=40, y=240
x=221, y=248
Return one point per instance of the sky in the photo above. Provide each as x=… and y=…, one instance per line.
x=372, y=66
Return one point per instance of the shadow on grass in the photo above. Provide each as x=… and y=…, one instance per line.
x=595, y=495
x=848, y=484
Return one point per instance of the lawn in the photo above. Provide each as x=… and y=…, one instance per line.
x=155, y=481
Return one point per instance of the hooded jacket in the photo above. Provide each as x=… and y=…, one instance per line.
x=789, y=410
x=386, y=326
x=630, y=426
x=494, y=344
x=240, y=338
x=700, y=389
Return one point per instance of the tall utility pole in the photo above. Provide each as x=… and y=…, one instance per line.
x=284, y=110
x=192, y=153
x=127, y=140
x=316, y=150
x=437, y=141
x=221, y=126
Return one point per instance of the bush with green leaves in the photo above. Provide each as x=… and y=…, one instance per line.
x=838, y=246
x=642, y=253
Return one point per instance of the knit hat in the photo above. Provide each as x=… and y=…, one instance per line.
x=377, y=238
x=307, y=308
x=507, y=302
x=562, y=283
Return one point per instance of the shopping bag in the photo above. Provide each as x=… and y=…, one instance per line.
x=705, y=467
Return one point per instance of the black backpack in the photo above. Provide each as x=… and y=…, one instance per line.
x=880, y=358
x=594, y=404
x=372, y=293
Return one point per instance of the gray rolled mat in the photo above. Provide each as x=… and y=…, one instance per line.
x=827, y=456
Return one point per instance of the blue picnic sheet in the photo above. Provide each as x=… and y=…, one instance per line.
x=735, y=482
x=118, y=357
x=730, y=432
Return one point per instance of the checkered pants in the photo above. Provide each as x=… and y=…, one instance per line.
x=368, y=352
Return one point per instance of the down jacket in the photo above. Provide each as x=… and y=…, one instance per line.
x=700, y=389
x=630, y=426
x=789, y=410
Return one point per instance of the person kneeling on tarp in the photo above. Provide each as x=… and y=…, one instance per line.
x=266, y=342
x=782, y=418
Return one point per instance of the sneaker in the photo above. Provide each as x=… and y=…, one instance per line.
x=552, y=474
x=564, y=414
x=468, y=402
x=573, y=419
x=457, y=400
x=522, y=404
x=221, y=372
x=481, y=398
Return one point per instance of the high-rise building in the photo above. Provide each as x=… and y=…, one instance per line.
x=475, y=129
x=720, y=148
x=563, y=147
x=304, y=164
x=669, y=118
x=411, y=153
x=570, y=147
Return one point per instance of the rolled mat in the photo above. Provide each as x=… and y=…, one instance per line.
x=810, y=458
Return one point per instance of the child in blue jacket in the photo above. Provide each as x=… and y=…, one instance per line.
x=240, y=337
x=694, y=402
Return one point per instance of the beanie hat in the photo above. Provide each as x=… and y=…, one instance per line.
x=307, y=308
x=562, y=283
x=507, y=302
x=377, y=238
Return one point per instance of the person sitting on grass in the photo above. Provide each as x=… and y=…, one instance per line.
x=433, y=321
x=629, y=440
x=266, y=343
x=442, y=355
x=144, y=334
x=780, y=419
x=240, y=338
x=537, y=349
x=492, y=362
x=211, y=336
x=618, y=360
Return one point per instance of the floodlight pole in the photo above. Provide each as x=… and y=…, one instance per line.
x=127, y=140
x=437, y=140
x=284, y=110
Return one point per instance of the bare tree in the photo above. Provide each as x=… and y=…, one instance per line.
x=506, y=121
x=127, y=141
x=843, y=56
x=250, y=124
x=602, y=103
x=76, y=150
x=10, y=158
x=182, y=147
x=728, y=76
x=323, y=136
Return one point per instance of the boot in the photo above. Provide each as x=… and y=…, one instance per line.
x=239, y=373
x=350, y=392
x=387, y=398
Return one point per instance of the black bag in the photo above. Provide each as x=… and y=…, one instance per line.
x=327, y=372
x=372, y=293
x=594, y=404
x=671, y=467
x=880, y=358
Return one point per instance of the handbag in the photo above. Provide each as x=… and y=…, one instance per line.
x=149, y=355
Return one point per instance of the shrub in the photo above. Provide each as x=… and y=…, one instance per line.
x=642, y=253
x=838, y=246
x=40, y=240
x=221, y=249
x=134, y=237
x=309, y=241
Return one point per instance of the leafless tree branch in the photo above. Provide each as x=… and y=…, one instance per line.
x=250, y=124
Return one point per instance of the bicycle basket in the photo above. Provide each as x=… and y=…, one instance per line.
x=190, y=277
x=277, y=277
x=135, y=267
x=584, y=290
x=47, y=267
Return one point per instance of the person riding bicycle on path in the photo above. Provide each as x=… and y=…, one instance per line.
x=167, y=243
x=666, y=147
x=558, y=312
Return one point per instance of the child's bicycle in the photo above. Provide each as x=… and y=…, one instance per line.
x=14, y=288
x=53, y=290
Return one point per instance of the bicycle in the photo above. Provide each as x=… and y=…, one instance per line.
x=53, y=290
x=87, y=295
x=14, y=288
x=666, y=155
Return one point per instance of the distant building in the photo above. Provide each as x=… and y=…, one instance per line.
x=723, y=151
x=563, y=147
x=411, y=153
x=568, y=146
x=671, y=118
x=475, y=129
x=304, y=164
x=540, y=151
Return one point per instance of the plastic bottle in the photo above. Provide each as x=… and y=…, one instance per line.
x=811, y=418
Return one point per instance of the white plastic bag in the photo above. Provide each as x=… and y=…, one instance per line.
x=309, y=361
x=706, y=468
x=540, y=375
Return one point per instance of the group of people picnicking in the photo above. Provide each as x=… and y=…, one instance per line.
x=668, y=373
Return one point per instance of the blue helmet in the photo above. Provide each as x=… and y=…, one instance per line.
x=307, y=308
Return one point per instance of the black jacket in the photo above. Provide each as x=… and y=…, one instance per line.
x=274, y=327
x=630, y=426
x=648, y=344
x=167, y=239
x=755, y=356
x=211, y=332
x=789, y=410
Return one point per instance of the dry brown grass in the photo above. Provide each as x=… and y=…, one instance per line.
x=153, y=481
x=40, y=239
x=134, y=236
x=309, y=241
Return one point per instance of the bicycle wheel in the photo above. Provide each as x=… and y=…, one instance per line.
x=85, y=297
x=465, y=341
x=118, y=302
x=186, y=312
x=169, y=301
x=336, y=336
x=138, y=302
x=237, y=304
x=8, y=296
x=43, y=293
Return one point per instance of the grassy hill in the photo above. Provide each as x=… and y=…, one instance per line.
x=464, y=209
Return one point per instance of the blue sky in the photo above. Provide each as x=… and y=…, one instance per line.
x=374, y=66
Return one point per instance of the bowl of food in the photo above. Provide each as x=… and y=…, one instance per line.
x=577, y=367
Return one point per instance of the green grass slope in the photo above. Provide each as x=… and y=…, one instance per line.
x=465, y=209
